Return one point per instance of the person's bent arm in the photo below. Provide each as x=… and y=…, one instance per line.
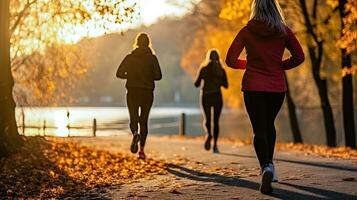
x=198, y=79
x=234, y=51
x=157, y=70
x=295, y=49
x=122, y=69
x=225, y=81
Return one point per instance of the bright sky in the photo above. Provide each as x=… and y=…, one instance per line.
x=150, y=11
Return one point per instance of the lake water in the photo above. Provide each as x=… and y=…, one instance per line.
x=110, y=120
x=234, y=123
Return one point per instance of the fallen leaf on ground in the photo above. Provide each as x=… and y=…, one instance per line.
x=349, y=179
x=324, y=151
x=175, y=191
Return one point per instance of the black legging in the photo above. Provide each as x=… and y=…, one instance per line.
x=262, y=108
x=143, y=99
x=212, y=100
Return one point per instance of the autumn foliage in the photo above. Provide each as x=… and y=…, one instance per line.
x=349, y=37
x=57, y=169
x=45, y=61
x=323, y=151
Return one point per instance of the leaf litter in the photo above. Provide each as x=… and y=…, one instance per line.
x=47, y=168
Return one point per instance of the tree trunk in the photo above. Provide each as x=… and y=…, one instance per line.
x=9, y=136
x=327, y=112
x=3, y=150
x=294, y=124
x=316, y=53
x=323, y=93
x=347, y=88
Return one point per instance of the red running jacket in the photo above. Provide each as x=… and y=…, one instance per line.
x=265, y=48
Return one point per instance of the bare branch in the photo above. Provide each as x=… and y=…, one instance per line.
x=327, y=19
x=309, y=26
x=21, y=15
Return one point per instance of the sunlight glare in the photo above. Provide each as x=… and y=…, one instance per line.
x=150, y=11
x=61, y=123
x=153, y=10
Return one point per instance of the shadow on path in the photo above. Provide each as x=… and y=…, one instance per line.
x=314, y=164
x=318, y=191
x=279, y=193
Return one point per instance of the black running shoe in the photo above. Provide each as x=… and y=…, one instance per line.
x=215, y=149
x=208, y=142
x=267, y=178
x=134, y=143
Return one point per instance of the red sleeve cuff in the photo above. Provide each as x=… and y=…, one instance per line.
x=240, y=64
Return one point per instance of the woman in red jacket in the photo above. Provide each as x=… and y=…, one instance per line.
x=265, y=38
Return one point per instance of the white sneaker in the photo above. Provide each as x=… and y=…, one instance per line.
x=275, y=177
x=267, y=178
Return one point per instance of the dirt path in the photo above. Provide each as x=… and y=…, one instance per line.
x=232, y=174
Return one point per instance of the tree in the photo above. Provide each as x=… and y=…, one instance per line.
x=347, y=84
x=316, y=53
x=320, y=26
x=348, y=38
x=33, y=25
x=9, y=137
x=47, y=78
x=59, y=23
x=294, y=123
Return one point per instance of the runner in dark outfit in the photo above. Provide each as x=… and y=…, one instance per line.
x=141, y=69
x=265, y=38
x=214, y=78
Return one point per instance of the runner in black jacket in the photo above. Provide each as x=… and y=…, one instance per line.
x=214, y=78
x=141, y=69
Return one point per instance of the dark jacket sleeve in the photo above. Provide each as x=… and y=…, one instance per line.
x=224, y=80
x=123, y=68
x=235, y=50
x=199, y=78
x=297, y=54
x=157, y=69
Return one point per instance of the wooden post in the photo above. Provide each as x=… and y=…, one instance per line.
x=44, y=127
x=23, y=120
x=68, y=123
x=183, y=124
x=94, y=127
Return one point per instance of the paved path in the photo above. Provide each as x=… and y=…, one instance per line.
x=232, y=174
